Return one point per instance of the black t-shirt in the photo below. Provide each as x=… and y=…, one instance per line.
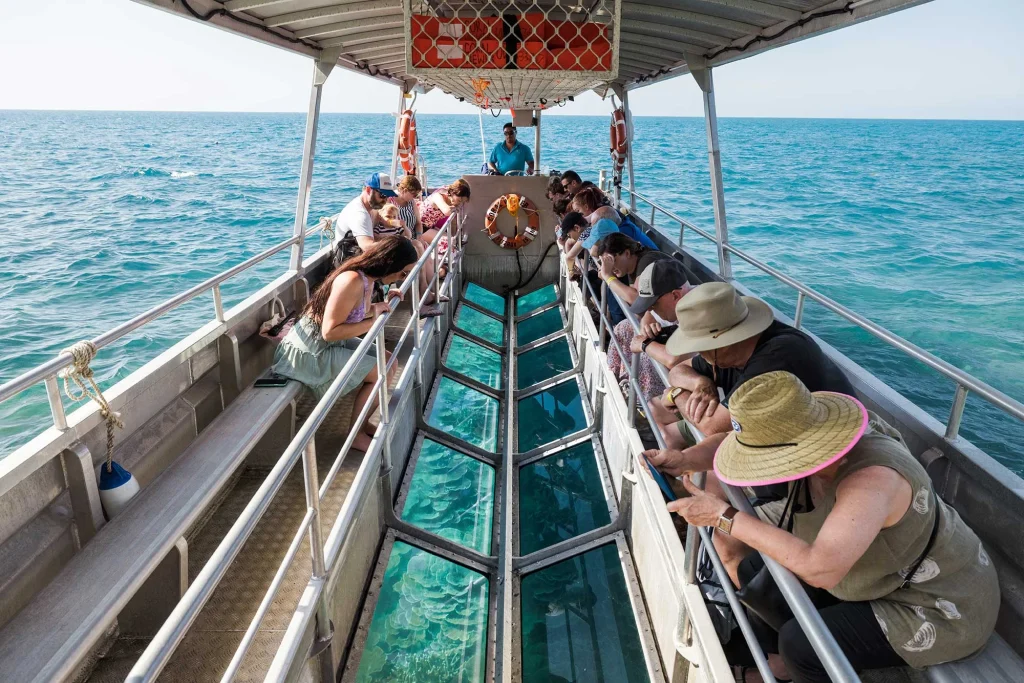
x=781, y=347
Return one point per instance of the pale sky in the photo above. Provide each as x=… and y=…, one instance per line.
x=960, y=59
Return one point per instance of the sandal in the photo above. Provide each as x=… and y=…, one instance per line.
x=430, y=311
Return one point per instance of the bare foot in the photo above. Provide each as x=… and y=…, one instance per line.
x=369, y=428
x=361, y=442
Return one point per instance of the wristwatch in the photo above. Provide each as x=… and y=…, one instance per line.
x=669, y=399
x=725, y=520
x=645, y=343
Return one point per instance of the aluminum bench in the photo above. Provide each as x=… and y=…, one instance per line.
x=996, y=663
x=53, y=636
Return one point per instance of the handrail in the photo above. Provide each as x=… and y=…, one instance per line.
x=965, y=382
x=818, y=634
x=62, y=360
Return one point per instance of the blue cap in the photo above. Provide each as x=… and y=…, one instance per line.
x=382, y=183
x=602, y=228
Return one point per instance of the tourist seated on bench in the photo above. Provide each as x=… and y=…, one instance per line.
x=355, y=227
x=402, y=216
x=620, y=261
x=897, y=576
x=438, y=207
x=323, y=341
x=561, y=208
x=571, y=183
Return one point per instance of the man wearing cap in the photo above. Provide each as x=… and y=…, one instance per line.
x=659, y=288
x=353, y=229
x=736, y=338
x=510, y=155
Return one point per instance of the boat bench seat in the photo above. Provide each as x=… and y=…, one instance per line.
x=997, y=663
x=51, y=637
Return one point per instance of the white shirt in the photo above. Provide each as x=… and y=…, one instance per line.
x=355, y=219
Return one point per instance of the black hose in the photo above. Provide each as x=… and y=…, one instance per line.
x=520, y=283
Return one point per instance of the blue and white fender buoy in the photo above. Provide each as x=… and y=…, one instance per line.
x=117, y=487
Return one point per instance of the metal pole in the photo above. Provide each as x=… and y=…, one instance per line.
x=416, y=329
x=536, y=142
x=602, y=181
x=218, y=303
x=799, y=315
x=324, y=631
x=60, y=420
x=717, y=191
x=398, y=124
x=956, y=413
x=320, y=72
x=629, y=149
x=382, y=371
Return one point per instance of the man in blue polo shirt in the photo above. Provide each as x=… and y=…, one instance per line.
x=510, y=155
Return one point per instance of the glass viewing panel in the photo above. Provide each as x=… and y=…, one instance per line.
x=480, y=324
x=452, y=495
x=486, y=299
x=578, y=624
x=560, y=497
x=474, y=361
x=466, y=414
x=536, y=299
x=543, y=362
x=430, y=622
x=549, y=415
x=540, y=325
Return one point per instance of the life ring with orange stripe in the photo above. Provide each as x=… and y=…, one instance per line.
x=514, y=204
x=619, y=140
x=407, y=141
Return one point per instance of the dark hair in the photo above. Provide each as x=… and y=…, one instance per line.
x=589, y=198
x=387, y=256
x=572, y=176
x=561, y=206
x=460, y=188
x=508, y=125
x=618, y=243
x=555, y=186
x=572, y=220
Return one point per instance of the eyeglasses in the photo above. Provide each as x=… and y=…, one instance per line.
x=510, y=131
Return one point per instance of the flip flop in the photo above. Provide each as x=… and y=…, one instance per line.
x=431, y=311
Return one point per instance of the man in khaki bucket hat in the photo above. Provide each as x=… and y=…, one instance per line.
x=735, y=338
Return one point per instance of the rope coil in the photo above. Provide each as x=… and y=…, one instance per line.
x=82, y=354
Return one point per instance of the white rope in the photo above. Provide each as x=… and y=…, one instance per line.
x=79, y=372
x=326, y=230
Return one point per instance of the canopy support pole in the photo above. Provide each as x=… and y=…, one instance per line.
x=322, y=68
x=536, y=142
x=398, y=124
x=702, y=74
x=629, y=152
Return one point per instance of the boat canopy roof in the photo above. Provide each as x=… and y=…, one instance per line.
x=647, y=40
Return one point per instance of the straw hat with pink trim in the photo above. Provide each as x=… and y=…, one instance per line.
x=781, y=431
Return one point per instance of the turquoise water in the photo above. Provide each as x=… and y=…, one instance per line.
x=543, y=362
x=550, y=414
x=918, y=225
x=466, y=414
x=474, y=361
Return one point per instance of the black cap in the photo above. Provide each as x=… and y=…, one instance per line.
x=571, y=220
x=657, y=280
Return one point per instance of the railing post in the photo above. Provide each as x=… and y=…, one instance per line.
x=956, y=413
x=602, y=180
x=416, y=328
x=799, y=315
x=218, y=304
x=324, y=628
x=715, y=165
x=60, y=420
x=629, y=150
x=682, y=229
x=634, y=368
x=536, y=142
x=382, y=397
x=653, y=209
x=601, y=325
x=398, y=125
x=322, y=68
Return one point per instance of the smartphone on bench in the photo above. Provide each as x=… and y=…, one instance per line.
x=271, y=380
x=666, y=490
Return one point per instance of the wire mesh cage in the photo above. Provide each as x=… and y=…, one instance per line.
x=512, y=54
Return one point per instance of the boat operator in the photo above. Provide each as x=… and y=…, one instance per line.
x=510, y=155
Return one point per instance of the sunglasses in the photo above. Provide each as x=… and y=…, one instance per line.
x=510, y=131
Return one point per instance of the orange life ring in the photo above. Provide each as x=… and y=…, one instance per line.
x=515, y=204
x=619, y=139
x=407, y=141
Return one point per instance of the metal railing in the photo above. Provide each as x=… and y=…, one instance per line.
x=964, y=381
x=172, y=632
x=47, y=372
x=821, y=639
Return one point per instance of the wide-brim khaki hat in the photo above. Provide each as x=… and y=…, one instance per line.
x=713, y=315
x=782, y=432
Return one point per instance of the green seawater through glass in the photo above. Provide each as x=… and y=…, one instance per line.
x=430, y=622
x=485, y=298
x=560, y=497
x=540, y=325
x=578, y=624
x=536, y=299
x=474, y=361
x=550, y=415
x=543, y=362
x=480, y=324
x=466, y=414
x=452, y=495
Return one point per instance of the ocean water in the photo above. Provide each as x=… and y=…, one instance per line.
x=919, y=225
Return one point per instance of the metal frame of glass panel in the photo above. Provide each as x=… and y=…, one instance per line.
x=554, y=379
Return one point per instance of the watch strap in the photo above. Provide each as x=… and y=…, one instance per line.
x=725, y=520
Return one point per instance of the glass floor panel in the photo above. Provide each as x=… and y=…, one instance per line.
x=430, y=622
x=543, y=362
x=466, y=414
x=480, y=324
x=474, y=361
x=452, y=495
x=578, y=624
x=540, y=325
x=486, y=299
x=560, y=497
x=550, y=415
x=536, y=299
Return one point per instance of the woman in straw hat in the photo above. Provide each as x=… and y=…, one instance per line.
x=902, y=579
